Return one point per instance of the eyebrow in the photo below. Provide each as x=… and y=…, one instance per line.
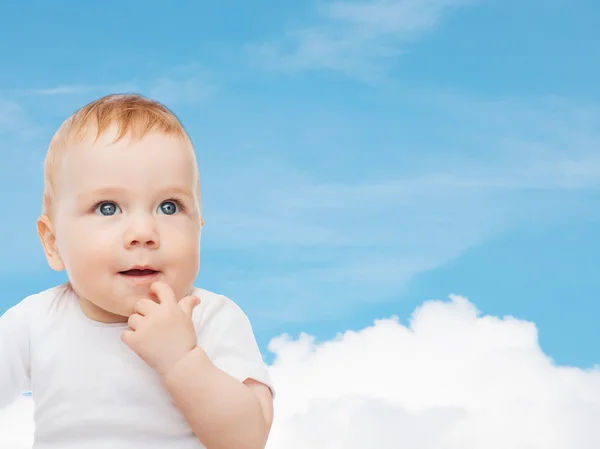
x=114, y=191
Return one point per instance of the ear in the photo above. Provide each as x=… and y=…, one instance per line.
x=48, y=239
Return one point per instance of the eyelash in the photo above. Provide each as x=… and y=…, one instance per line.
x=177, y=201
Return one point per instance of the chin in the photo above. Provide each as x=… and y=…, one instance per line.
x=121, y=305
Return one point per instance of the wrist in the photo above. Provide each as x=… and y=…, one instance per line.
x=193, y=359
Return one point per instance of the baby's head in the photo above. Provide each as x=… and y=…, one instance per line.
x=121, y=191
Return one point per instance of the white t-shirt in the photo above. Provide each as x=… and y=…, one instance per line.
x=91, y=391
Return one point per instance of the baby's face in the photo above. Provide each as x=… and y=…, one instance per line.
x=122, y=207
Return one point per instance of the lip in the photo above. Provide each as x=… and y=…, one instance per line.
x=142, y=267
x=140, y=279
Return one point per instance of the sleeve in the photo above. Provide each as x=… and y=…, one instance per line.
x=226, y=335
x=14, y=355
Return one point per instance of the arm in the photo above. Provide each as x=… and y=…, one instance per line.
x=223, y=387
x=223, y=412
x=14, y=355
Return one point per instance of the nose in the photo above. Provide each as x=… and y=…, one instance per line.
x=142, y=233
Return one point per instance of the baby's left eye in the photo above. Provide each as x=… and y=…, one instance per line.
x=168, y=207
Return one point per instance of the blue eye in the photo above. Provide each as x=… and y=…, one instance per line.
x=107, y=208
x=168, y=207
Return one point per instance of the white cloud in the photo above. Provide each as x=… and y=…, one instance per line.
x=355, y=37
x=451, y=379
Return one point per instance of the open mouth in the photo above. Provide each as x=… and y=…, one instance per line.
x=140, y=276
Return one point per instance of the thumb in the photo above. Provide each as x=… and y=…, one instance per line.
x=188, y=304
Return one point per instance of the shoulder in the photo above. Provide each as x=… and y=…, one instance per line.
x=220, y=322
x=37, y=305
x=216, y=306
x=226, y=335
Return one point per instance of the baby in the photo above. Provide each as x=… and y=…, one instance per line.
x=129, y=354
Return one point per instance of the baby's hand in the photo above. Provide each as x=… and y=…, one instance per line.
x=162, y=333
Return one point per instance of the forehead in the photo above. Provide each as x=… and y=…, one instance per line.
x=154, y=161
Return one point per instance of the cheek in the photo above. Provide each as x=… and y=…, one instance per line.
x=84, y=249
x=182, y=238
x=184, y=249
x=188, y=252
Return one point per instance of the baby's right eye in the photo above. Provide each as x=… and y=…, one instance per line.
x=107, y=208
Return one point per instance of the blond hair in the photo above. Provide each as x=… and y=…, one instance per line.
x=134, y=115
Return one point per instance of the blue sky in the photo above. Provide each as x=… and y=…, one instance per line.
x=357, y=158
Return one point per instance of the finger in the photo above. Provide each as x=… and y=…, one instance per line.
x=188, y=304
x=163, y=292
x=134, y=321
x=144, y=306
x=127, y=337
